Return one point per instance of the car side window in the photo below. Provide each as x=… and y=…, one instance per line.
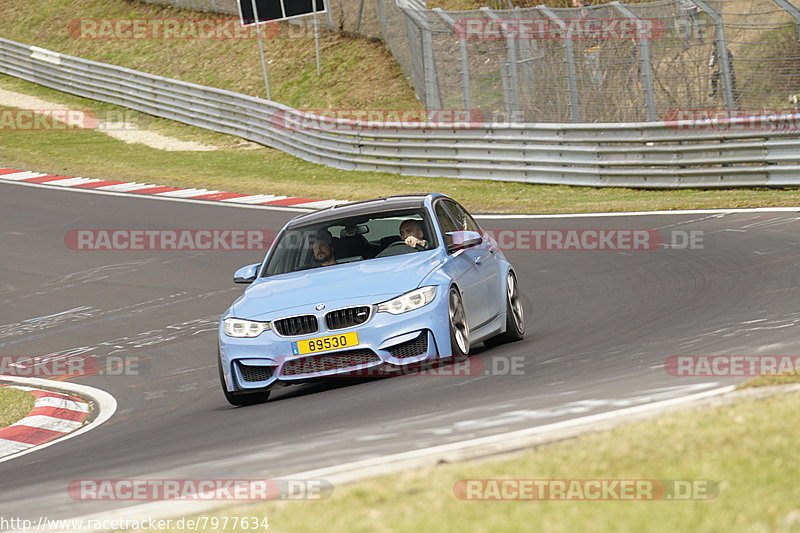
x=463, y=220
x=444, y=217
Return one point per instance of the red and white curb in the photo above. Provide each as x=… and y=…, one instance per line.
x=53, y=416
x=161, y=191
x=56, y=416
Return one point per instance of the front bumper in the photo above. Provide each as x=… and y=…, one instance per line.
x=385, y=341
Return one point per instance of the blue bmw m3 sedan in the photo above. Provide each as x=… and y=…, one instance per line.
x=379, y=284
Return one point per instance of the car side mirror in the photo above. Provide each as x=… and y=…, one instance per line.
x=459, y=240
x=246, y=274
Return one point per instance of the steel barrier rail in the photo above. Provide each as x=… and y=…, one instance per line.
x=649, y=154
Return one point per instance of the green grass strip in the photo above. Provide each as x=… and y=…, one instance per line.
x=14, y=405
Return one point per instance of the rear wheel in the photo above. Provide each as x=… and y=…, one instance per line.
x=459, y=331
x=515, y=316
x=241, y=399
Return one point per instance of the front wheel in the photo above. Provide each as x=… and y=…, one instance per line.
x=241, y=399
x=459, y=331
x=515, y=316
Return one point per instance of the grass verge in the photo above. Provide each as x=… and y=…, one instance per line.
x=243, y=167
x=764, y=381
x=356, y=73
x=14, y=405
x=748, y=449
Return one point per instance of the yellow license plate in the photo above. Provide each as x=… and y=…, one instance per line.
x=323, y=344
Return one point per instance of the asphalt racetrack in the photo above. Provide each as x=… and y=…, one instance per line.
x=600, y=326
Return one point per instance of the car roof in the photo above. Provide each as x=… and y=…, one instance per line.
x=376, y=205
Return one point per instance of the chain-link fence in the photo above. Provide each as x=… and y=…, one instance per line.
x=610, y=63
x=604, y=63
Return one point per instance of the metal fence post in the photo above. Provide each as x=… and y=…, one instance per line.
x=569, y=60
x=512, y=95
x=432, y=96
x=382, y=18
x=329, y=14
x=261, y=48
x=358, y=17
x=462, y=50
x=722, y=54
x=644, y=57
x=417, y=67
x=792, y=10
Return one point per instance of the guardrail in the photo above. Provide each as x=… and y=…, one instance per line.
x=648, y=154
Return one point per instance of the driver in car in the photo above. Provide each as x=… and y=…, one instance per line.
x=323, y=249
x=412, y=234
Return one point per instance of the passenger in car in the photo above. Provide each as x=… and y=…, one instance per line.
x=412, y=234
x=323, y=248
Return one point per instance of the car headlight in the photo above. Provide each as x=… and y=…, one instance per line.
x=237, y=327
x=408, y=301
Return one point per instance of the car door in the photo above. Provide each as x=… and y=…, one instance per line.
x=467, y=267
x=486, y=262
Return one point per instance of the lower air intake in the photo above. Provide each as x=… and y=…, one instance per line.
x=326, y=362
x=255, y=373
x=412, y=348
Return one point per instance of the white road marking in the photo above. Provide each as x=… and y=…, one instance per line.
x=645, y=213
x=45, y=317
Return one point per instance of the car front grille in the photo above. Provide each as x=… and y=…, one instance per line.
x=296, y=325
x=414, y=347
x=348, y=317
x=255, y=373
x=326, y=362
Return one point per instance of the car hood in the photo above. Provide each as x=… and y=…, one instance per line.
x=368, y=282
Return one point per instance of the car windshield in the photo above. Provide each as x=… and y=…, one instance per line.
x=349, y=239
